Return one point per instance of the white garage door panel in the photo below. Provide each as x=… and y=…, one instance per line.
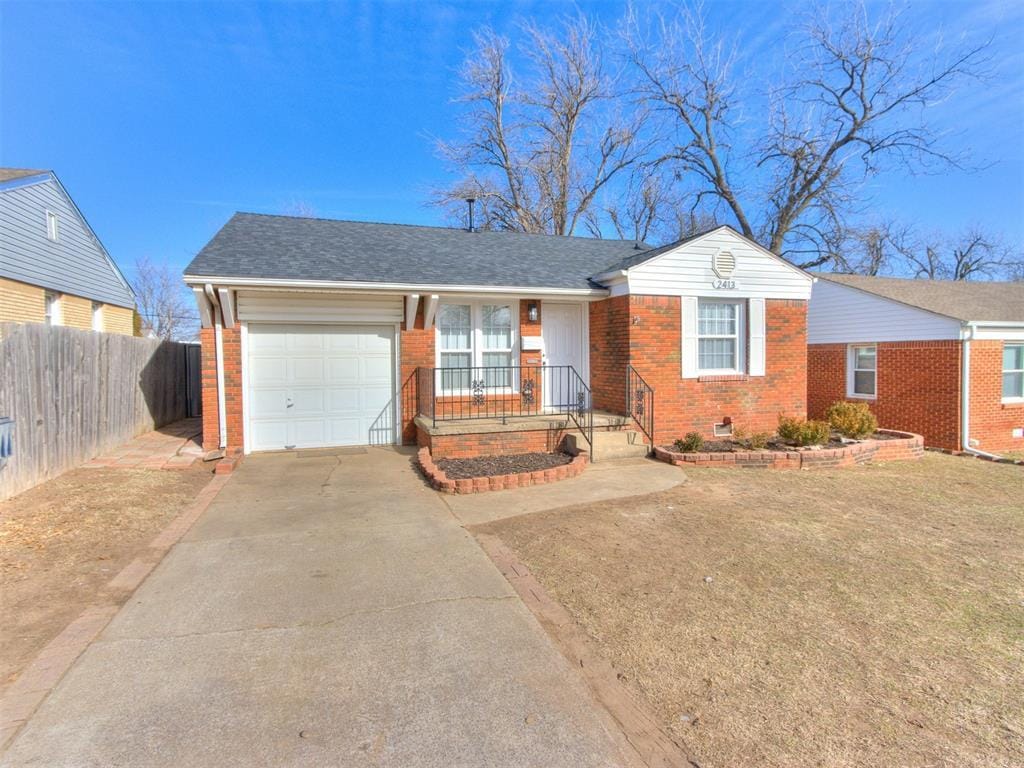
x=313, y=386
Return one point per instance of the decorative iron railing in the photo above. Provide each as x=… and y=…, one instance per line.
x=640, y=402
x=503, y=392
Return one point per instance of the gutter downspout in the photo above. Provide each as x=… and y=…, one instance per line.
x=218, y=335
x=965, y=395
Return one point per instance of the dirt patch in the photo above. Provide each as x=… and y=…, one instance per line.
x=62, y=541
x=858, y=617
x=490, y=466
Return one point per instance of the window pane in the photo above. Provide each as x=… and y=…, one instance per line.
x=501, y=376
x=1013, y=385
x=454, y=327
x=864, y=358
x=455, y=379
x=497, y=326
x=1013, y=357
x=864, y=383
x=716, y=354
x=716, y=319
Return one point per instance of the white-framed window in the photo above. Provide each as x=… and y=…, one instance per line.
x=721, y=337
x=97, y=315
x=52, y=225
x=480, y=335
x=1013, y=371
x=52, y=310
x=862, y=371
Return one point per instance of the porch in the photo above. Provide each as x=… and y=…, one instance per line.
x=499, y=410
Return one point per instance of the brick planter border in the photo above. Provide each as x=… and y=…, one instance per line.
x=441, y=482
x=908, y=447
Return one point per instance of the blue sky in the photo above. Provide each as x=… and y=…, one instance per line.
x=162, y=119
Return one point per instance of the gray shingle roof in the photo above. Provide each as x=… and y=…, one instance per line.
x=959, y=299
x=284, y=247
x=10, y=174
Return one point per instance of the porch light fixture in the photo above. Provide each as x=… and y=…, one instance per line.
x=532, y=312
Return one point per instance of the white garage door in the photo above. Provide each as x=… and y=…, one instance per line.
x=314, y=386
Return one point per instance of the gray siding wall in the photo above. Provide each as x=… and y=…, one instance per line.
x=74, y=264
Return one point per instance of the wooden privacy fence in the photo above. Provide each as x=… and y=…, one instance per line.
x=74, y=394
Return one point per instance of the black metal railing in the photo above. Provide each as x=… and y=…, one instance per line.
x=503, y=392
x=640, y=402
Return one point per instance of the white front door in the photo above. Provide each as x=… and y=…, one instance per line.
x=315, y=386
x=563, y=334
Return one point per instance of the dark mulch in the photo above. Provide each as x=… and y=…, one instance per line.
x=488, y=466
x=731, y=446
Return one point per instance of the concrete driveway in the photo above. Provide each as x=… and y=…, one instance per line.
x=327, y=610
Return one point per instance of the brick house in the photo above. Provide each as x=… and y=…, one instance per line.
x=323, y=333
x=941, y=358
x=53, y=267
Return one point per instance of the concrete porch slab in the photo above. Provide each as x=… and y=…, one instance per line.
x=551, y=422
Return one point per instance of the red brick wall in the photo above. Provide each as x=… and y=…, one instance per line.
x=232, y=388
x=416, y=349
x=695, y=405
x=991, y=421
x=609, y=353
x=918, y=386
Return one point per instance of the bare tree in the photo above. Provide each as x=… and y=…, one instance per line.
x=874, y=249
x=299, y=208
x=973, y=255
x=536, y=154
x=852, y=110
x=163, y=301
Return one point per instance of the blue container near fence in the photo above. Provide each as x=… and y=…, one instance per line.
x=6, y=439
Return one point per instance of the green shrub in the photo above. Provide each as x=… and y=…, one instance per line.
x=759, y=440
x=803, y=432
x=692, y=443
x=854, y=420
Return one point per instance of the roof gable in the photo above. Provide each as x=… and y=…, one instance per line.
x=76, y=263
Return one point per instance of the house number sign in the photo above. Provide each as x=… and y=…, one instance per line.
x=725, y=284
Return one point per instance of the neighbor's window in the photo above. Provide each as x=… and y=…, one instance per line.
x=720, y=336
x=52, y=311
x=863, y=367
x=97, y=316
x=1013, y=371
x=475, y=335
x=52, y=230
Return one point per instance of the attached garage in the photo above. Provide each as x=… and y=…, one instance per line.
x=319, y=371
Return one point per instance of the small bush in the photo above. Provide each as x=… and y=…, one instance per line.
x=853, y=420
x=802, y=432
x=692, y=443
x=759, y=440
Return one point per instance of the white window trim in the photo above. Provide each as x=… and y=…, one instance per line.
x=1014, y=399
x=851, y=358
x=741, y=336
x=52, y=311
x=476, y=316
x=97, y=315
x=54, y=233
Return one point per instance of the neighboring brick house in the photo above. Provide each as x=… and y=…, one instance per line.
x=323, y=333
x=53, y=268
x=916, y=351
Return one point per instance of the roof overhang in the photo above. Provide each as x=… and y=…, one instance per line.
x=402, y=288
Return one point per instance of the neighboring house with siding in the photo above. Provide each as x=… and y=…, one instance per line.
x=322, y=333
x=53, y=267
x=941, y=358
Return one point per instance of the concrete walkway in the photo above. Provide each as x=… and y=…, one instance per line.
x=325, y=611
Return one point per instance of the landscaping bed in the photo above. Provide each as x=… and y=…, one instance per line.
x=495, y=473
x=488, y=466
x=864, y=617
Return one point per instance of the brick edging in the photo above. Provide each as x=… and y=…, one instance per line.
x=909, y=447
x=441, y=482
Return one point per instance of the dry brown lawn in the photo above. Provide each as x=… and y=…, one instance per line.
x=861, y=617
x=62, y=541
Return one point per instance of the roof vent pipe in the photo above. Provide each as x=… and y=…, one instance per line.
x=470, y=200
